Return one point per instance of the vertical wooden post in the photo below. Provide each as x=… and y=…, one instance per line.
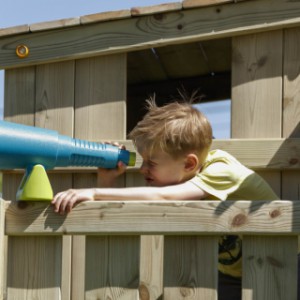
x=257, y=112
x=257, y=90
x=55, y=110
x=100, y=114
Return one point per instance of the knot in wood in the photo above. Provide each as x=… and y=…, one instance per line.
x=185, y=292
x=293, y=161
x=260, y=262
x=179, y=26
x=239, y=220
x=144, y=292
x=275, y=213
x=159, y=17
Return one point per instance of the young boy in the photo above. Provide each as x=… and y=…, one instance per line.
x=174, y=142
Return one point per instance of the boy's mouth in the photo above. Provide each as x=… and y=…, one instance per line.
x=148, y=180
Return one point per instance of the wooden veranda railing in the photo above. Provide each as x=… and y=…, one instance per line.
x=146, y=250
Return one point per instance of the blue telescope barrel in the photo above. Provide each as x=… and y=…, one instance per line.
x=23, y=146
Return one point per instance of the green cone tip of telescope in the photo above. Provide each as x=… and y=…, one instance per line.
x=132, y=159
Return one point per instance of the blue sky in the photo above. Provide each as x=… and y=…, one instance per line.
x=19, y=12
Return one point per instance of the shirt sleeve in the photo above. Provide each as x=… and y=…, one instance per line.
x=218, y=179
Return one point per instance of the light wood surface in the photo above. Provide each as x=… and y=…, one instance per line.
x=149, y=31
x=153, y=217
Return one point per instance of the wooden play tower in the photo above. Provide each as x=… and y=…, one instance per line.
x=88, y=77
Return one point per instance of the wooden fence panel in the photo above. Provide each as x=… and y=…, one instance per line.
x=112, y=267
x=34, y=268
x=190, y=267
x=270, y=267
x=112, y=262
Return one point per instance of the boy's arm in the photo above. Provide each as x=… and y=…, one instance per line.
x=65, y=201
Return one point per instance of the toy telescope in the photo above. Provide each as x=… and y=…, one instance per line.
x=37, y=149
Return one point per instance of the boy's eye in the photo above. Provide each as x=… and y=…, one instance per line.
x=151, y=164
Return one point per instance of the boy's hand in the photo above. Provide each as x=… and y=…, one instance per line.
x=65, y=201
x=107, y=177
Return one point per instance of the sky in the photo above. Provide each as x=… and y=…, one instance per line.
x=17, y=12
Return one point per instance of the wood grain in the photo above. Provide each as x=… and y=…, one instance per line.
x=156, y=217
x=149, y=31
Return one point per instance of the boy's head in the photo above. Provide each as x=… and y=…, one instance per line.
x=176, y=129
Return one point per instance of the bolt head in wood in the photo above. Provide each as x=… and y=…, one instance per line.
x=22, y=51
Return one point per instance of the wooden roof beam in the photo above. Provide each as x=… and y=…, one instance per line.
x=149, y=31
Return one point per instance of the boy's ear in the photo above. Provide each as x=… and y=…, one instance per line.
x=191, y=162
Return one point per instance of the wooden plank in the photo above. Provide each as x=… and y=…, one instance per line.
x=14, y=30
x=54, y=24
x=34, y=268
x=156, y=9
x=257, y=90
x=149, y=31
x=112, y=267
x=78, y=267
x=257, y=85
x=79, y=244
x=105, y=16
x=151, y=267
x=270, y=268
x=54, y=109
x=101, y=98
x=190, y=267
x=3, y=251
x=156, y=217
x=291, y=101
x=200, y=3
x=290, y=185
x=19, y=105
x=19, y=102
x=100, y=113
x=291, y=97
x=55, y=97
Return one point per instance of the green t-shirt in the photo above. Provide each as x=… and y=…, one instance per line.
x=225, y=178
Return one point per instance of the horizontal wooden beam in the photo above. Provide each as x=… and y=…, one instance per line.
x=155, y=30
x=156, y=217
x=257, y=154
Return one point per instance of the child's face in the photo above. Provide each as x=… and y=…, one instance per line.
x=160, y=169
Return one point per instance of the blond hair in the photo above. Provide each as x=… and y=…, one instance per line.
x=176, y=128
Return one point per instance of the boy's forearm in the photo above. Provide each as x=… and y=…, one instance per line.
x=126, y=194
x=186, y=191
